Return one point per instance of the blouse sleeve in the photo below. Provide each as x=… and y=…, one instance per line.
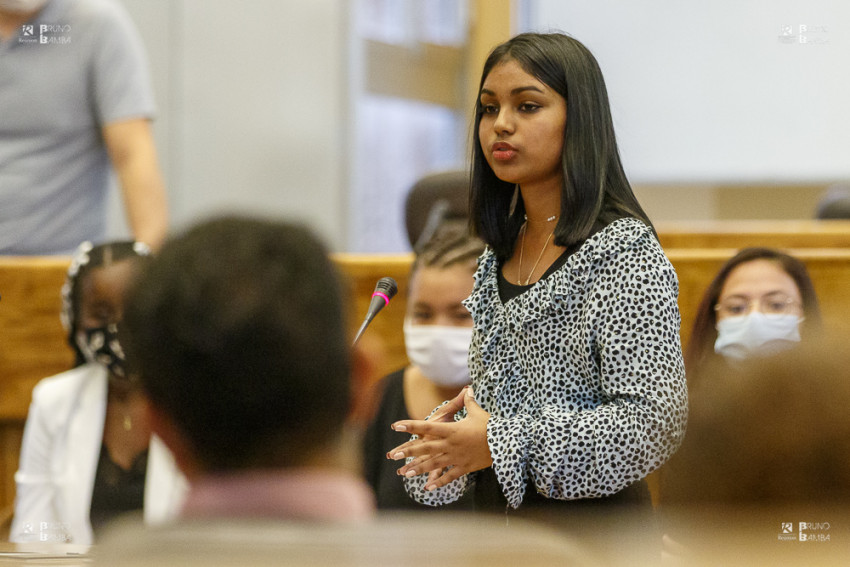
x=630, y=330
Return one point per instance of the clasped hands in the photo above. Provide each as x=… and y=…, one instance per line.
x=445, y=449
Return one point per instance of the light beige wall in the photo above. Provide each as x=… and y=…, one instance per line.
x=664, y=202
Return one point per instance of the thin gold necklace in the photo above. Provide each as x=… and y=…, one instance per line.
x=522, y=248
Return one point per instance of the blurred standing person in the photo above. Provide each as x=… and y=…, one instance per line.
x=75, y=106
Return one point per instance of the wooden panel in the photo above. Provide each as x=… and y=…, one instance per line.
x=32, y=341
x=11, y=433
x=743, y=233
x=428, y=72
x=384, y=337
x=491, y=23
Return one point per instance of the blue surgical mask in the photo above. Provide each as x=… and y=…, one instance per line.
x=756, y=334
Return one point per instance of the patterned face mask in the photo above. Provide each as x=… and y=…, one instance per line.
x=100, y=344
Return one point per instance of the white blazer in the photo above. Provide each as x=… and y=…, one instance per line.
x=62, y=439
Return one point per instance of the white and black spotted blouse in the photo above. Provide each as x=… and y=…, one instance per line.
x=582, y=374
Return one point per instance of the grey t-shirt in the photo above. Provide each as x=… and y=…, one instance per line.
x=78, y=66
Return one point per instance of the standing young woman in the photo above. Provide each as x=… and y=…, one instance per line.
x=578, y=386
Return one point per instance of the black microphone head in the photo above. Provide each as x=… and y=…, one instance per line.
x=387, y=286
x=385, y=289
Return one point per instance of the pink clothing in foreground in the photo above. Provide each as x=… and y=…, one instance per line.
x=302, y=494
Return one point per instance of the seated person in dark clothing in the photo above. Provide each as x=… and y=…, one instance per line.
x=437, y=331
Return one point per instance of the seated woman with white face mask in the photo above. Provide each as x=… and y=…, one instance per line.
x=761, y=302
x=437, y=332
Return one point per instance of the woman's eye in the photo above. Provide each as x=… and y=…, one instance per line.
x=776, y=306
x=733, y=308
x=529, y=107
x=489, y=109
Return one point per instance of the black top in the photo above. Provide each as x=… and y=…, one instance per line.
x=379, y=471
x=508, y=290
x=117, y=490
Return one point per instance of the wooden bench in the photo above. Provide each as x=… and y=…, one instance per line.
x=32, y=342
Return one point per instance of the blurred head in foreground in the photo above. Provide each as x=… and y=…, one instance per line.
x=775, y=432
x=765, y=463
x=242, y=346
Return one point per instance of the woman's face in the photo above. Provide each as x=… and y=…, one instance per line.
x=436, y=293
x=102, y=294
x=521, y=131
x=759, y=285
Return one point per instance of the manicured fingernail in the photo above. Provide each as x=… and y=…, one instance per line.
x=398, y=456
x=399, y=428
x=410, y=474
x=430, y=487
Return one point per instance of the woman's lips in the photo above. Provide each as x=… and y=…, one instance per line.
x=503, y=151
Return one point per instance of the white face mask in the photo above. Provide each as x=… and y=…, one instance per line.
x=21, y=6
x=756, y=334
x=441, y=353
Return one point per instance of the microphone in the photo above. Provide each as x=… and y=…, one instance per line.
x=384, y=291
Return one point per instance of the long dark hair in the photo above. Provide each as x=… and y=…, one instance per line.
x=595, y=189
x=700, y=349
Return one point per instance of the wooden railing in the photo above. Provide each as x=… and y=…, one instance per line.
x=32, y=341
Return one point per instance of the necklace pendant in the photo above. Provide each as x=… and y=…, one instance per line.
x=128, y=423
